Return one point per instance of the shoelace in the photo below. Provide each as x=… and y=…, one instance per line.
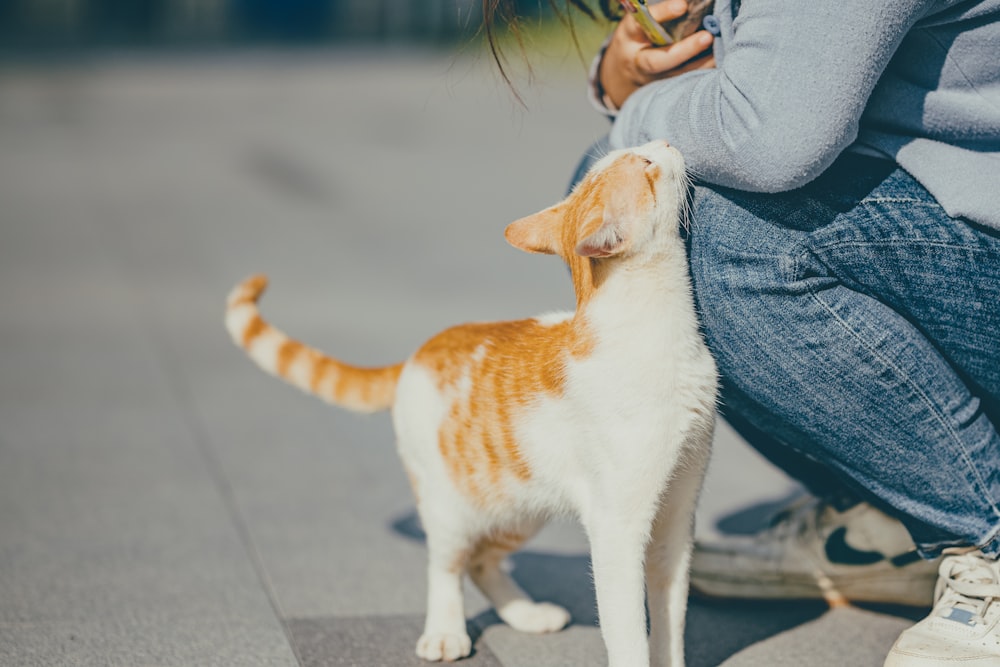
x=804, y=515
x=969, y=582
x=796, y=518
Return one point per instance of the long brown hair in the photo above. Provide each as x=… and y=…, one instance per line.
x=503, y=13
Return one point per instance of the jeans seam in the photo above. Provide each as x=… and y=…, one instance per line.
x=802, y=250
x=895, y=242
x=899, y=200
x=993, y=535
x=937, y=547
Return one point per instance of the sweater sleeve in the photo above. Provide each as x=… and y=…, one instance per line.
x=785, y=100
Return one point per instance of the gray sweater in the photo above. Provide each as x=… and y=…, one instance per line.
x=800, y=81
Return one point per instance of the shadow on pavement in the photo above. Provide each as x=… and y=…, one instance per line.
x=716, y=629
x=755, y=517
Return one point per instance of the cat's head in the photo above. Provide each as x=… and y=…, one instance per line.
x=630, y=203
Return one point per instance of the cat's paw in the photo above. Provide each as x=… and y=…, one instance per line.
x=437, y=646
x=535, y=617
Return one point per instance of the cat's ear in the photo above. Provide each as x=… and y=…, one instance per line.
x=611, y=238
x=537, y=233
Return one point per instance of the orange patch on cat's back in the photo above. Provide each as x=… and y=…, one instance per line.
x=490, y=372
x=528, y=349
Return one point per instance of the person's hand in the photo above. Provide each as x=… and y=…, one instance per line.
x=631, y=61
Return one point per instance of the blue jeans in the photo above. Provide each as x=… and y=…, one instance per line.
x=856, y=327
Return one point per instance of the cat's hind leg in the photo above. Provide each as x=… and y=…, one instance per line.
x=512, y=604
x=668, y=558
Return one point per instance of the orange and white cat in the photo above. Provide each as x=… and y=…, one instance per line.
x=606, y=413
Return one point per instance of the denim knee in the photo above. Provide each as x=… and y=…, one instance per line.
x=736, y=257
x=839, y=375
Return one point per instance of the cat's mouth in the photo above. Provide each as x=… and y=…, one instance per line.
x=651, y=172
x=666, y=177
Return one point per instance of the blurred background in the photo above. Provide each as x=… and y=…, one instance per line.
x=61, y=24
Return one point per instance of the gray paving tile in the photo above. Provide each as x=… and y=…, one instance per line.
x=141, y=640
x=374, y=641
x=575, y=646
x=114, y=534
x=847, y=636
x=118, y=546
x=717, y=630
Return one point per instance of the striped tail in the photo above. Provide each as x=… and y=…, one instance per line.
x=358, y=389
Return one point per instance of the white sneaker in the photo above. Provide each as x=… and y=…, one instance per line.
x=812, y=550
x=963, y=629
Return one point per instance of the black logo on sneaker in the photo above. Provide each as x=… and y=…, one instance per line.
x=839, y=551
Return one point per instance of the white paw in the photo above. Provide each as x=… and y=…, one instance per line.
x=536, y=617
x=444, y=646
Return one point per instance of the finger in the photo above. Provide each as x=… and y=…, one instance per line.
x=655, y=61
x=668, y=10
x=630, y=29
x=660, y=11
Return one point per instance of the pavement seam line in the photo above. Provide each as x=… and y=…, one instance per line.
x=168, y=360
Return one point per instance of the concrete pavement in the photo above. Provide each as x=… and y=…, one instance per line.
x=162, y=501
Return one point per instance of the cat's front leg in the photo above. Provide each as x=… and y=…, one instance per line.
x=445, y=637
x=618, y=542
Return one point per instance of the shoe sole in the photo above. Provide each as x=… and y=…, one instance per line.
x=903, y=659
x=911, y=592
